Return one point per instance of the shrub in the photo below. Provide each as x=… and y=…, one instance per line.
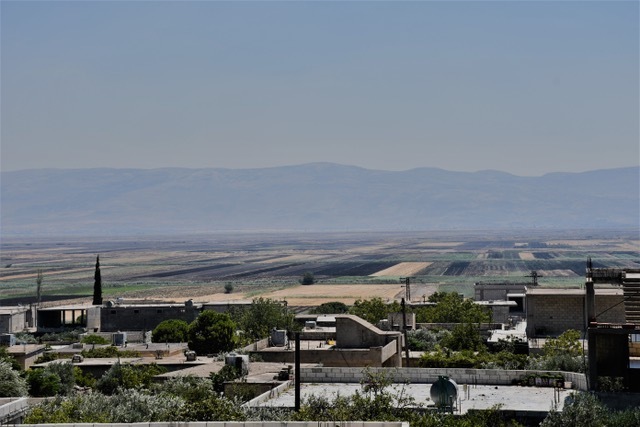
x=94, y=339
x=43, y=383
x=11, y=383
x=125, y=376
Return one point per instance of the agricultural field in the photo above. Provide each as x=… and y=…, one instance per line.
x=346, y=266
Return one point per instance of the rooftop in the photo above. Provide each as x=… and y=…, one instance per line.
x=513, y=398
x=572, y=291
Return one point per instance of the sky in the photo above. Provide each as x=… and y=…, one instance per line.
x=521, y=87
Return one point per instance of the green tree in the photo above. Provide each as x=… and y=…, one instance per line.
x=333, y=307
x=464, y=336
x=262, y=316
x=372, y=310
x=11, y=383
x=567, y=343
x=228, y=288
x=452, y=308
x=171, y=330
x=97, y=284
x=308, y=278
x=212, y=332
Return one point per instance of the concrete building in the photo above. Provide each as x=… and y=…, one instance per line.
x=15, y=319
x=507, y=291
x=355, y=342
x=551, y=311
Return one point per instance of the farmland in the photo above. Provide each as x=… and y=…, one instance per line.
x=347, y=266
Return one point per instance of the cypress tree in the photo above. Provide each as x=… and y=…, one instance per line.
x=97, y=284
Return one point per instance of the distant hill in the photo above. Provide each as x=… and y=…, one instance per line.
x=312, y=197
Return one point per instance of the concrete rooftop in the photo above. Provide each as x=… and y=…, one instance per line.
x=479, y=397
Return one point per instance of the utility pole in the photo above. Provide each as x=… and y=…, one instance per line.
x=407, y=287
x=404, y=329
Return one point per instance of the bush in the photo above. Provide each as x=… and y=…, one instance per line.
x=189, y=388
x=228, y=288
x=94, y=339
x=11, y=383
x=125, y=376
x=108, y=352
x=43, y=383
x=425, y=340
x=130, y=406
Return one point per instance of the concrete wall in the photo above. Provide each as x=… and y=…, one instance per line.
x=335, y=357
x=12, y=410
x=551, y=315
x=353, y=332
x=496, y=291
x=145, y=318
x=430, y=375
x=11, y=323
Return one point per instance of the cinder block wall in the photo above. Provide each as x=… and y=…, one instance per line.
x=551, y=315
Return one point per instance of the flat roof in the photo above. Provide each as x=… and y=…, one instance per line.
x=67, y=307
x=573, y=291
x=513, y=398
x=13, y=310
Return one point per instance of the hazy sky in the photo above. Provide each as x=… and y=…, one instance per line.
x=522, y=87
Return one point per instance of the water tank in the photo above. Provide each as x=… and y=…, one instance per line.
x=119, y=338
x=279, y=337
x=444, y=392
x=240, y=361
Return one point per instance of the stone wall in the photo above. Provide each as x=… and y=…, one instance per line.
x=430, y=375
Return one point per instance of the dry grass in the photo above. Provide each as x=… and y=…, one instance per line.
x=403, y=269
x=311, y=295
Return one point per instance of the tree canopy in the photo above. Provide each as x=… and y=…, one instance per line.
x=452, y=307
x=333, y=307
x=171, y=330
x=212, y=333
x=262, y=316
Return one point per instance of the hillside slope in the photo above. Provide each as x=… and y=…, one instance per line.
x=312, y=197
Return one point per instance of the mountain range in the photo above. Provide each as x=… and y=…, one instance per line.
x=310, y=197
